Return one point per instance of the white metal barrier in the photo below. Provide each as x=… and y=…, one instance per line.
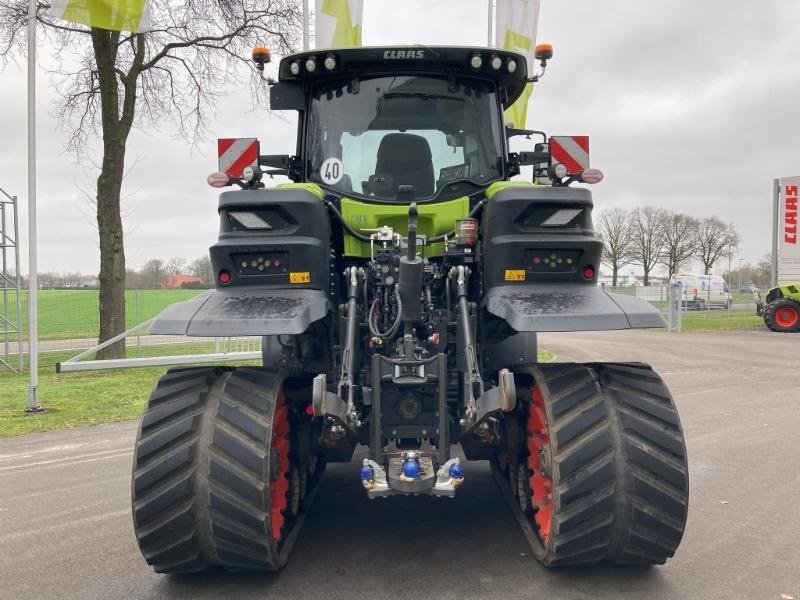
x=226, y=350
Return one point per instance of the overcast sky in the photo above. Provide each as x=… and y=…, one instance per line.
x=691, y=105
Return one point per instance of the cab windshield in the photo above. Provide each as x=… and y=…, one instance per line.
x=370, y=137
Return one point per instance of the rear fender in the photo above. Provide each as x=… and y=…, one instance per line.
x=569, y=307
x=244, y=312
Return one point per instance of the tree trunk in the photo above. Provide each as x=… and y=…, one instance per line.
x=614, y=273
x=109, y=184
x=112, y=252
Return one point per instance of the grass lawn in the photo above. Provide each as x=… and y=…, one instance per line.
x=75, y=399
x=89, y=398
x=743, y=298
x=85, y=398
x=721, y=320
x=66, y=314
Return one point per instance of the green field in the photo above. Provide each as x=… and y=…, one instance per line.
x=67, y=314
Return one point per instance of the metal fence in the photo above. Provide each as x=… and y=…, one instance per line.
x=674, y=304
x=69, y=323
x=651, y=293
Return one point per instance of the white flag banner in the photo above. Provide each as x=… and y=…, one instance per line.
x=788, y=240
x=338, y=23
x=517, y=21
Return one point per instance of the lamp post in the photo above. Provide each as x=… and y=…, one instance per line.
x=740, y=273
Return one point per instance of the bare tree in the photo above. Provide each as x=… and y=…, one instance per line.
x=201, y=267
x=714, y=240
x=680, y=239
x=763, y=275
x=134, y=280
x=614, y=228
x=153, y=274
x=111, y=82
x=175, y=266
x=647, y=231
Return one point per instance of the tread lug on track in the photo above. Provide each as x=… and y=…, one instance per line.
x=619, y=468
x=202, y=473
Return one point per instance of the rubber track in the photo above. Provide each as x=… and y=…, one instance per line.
x=201, y=476
x=618, y=465
x=653, y=477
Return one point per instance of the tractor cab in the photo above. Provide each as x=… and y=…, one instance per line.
x=375, y=119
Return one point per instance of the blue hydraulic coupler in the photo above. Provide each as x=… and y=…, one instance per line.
x=367, y=474
x=411, y=469
x=456, y=472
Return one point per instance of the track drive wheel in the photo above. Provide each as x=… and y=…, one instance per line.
x=783, y=316
x=604, y=475
x=216, y=476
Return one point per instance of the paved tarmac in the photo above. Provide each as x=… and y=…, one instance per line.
x=65, y=525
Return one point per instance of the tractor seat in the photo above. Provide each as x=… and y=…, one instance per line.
x=405, y=159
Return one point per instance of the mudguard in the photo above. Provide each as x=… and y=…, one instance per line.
x=243, y=312
x=569, y=307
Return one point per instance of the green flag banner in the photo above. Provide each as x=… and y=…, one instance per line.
x=517, y=21
x=338, y=23
x=114, y=15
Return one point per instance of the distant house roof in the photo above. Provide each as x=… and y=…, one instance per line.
x=177, y=281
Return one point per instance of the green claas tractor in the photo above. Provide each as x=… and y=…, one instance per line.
x=781, y=311
x=398, y=284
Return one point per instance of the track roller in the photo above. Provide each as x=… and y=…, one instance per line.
x=217, y=481
x=603, y=475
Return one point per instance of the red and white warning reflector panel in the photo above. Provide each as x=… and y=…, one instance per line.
x=237, y=153
x=571, y=151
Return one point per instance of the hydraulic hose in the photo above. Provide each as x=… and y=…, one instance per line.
x=373, y=329
x=359, y=236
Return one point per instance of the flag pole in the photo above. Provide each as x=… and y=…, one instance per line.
x=33, y=283
x=490, y=27
x=305, y=25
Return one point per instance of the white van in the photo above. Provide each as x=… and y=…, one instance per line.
x=701, y=290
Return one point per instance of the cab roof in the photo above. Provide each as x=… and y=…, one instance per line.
x=455, y=61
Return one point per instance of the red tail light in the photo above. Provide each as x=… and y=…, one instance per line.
x=224, y=277
x=588, y=272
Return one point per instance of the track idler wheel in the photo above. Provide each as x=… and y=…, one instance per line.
x=217, y=483
x=603, y=477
